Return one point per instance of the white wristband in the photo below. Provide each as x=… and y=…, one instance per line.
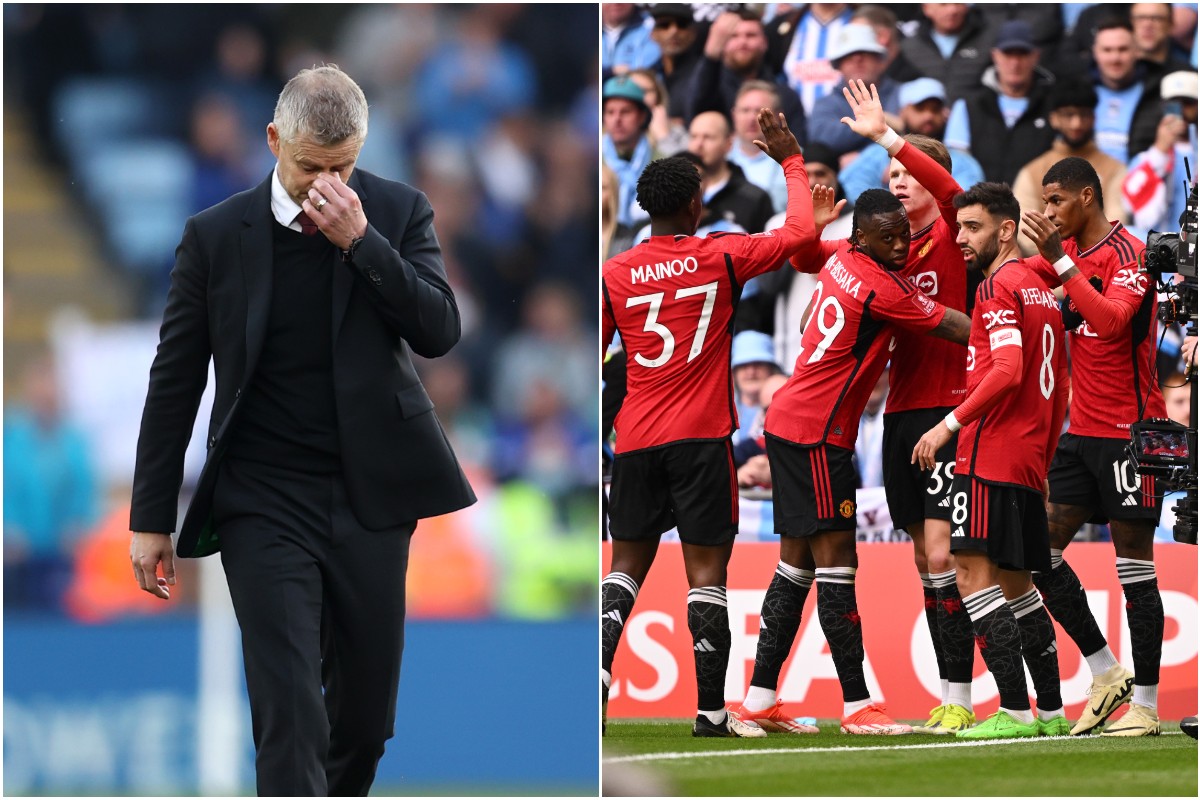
x=1062, y=265
x=889, y=138
x=952, y=423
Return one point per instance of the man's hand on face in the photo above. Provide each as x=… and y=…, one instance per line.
x=335, y=209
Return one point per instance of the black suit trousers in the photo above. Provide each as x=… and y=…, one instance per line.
x=320, y=603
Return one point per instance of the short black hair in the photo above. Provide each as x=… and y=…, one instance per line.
x=1108, y=23
x=667, y=185
x=997, y=198
x=1072, y=93
x=1073, y=174
x=873, y=202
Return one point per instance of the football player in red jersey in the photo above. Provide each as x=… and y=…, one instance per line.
x=928, y=378
x=812, y=424
x=1112, y=356
x=1015, y=405
x=672, y=299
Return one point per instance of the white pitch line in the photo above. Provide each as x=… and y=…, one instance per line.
x=840, y=749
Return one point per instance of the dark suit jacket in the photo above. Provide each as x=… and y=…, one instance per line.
x=393, y=298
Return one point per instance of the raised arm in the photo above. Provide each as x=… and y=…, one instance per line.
x=869, y=122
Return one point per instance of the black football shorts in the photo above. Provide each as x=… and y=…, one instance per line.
x=812, y=488
x=1005, y=522
x=1095, y=473
x=914, y=494
x=691, y=486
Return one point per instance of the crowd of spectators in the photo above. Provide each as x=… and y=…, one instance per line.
x=1009, y=88
x=155, y=112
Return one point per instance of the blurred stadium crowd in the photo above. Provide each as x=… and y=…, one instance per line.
x=1009, y=88
x=122, y=120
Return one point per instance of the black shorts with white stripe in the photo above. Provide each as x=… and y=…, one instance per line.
x=1095, y=473
x=1006, y=523
x=812, y=488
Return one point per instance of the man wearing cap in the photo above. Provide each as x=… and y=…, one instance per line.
x=1003, y=122
x=1153, y=190
x=734, y=55
x=951, y=46
x=858, y=57
x=681, y=39
x=1072, y=115
x=753, y=361
x=922, y=110
x=883, y=21
x=625, y=146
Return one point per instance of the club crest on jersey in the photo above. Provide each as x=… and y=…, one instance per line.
x=1132, y=280
x=926, y=281
x=846, y=509
x=1004, y=316
x=925, y=249
x=921, y=301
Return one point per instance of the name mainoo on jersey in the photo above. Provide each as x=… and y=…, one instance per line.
x=843, y=277
x=1039, y=297
x=663, y=269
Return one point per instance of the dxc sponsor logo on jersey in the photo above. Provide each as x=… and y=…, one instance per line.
x=1004, y=316
x=663, y=269
x=925, y=281
x=1132, y=280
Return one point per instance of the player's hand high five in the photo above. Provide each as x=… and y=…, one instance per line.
x=869, y=121
x=825, y=210
x=778, y=141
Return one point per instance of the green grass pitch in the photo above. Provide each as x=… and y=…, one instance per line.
x=661, y=757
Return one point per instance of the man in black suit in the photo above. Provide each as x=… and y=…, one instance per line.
x=308, y=292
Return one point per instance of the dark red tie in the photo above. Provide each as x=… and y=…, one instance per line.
x=307, y=226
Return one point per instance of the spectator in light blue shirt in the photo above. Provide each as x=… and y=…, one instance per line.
x=625, y=34
x=51, y=496
x=922, y=110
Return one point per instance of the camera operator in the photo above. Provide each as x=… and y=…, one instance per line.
x=1110, y=318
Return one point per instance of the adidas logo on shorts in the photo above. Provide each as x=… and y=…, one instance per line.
x=959, y=532
x=945, y=503
x=1129, y=501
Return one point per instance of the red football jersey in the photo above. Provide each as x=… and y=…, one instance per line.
x=1111, y=378
x=928, y=372
x=672, y=299
x=844, y=348
x=1009, y=443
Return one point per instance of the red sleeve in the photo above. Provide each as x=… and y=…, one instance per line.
x=812, y=255
x=766, y=250
x=936, y=180
x=1043, y=269
x=1108, y=314
x=609, y=323
x=1002, y=378
x=908, y=307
